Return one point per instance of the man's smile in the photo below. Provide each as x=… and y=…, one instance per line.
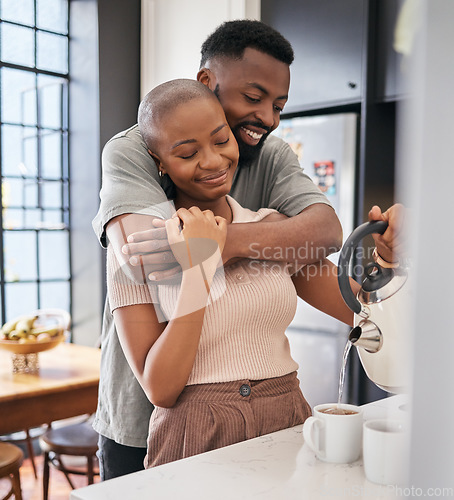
x=251, y=135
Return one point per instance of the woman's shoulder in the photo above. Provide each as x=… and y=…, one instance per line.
x=242, y=214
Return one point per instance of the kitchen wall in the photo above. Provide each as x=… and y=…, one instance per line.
x=86, y=257
x=174, y=30
x=104, y=96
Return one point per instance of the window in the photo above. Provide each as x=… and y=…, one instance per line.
x=35, y=221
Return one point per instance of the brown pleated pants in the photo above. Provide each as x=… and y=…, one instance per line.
x=210, y=416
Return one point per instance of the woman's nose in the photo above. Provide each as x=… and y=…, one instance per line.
x=210, y=160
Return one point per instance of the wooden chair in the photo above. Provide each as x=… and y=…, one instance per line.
x=27, y=437
x=11, y=458
x=79, y=440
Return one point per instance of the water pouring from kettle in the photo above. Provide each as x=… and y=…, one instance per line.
x=380, y=333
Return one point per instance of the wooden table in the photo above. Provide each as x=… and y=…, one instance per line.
x=66, y=386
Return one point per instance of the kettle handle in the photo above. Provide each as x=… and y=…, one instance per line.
x=346, y=254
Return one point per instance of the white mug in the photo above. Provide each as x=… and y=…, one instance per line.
x=386, y=451
x=335, y=438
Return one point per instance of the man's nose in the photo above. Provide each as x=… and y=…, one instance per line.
x=266, y=115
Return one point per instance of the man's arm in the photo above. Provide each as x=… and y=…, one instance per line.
x=311, y=232
x=305, y=238
x=276, y=180
x=130, y=182
x=277, y=237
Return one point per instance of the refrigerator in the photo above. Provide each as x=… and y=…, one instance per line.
x=326, y=147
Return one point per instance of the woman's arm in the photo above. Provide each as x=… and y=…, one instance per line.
x=317, y=285
x=162, y=355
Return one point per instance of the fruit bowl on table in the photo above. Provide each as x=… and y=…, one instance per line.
x=18, y=347
x=34, y=332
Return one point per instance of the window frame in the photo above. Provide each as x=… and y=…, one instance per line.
x=64, y=179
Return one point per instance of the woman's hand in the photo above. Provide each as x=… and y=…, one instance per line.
x=203, y=236
x=390, y=245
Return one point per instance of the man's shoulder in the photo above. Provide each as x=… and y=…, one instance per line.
x=273, y=148
x=273, y=143
x=273, y=151
x=126, y=144
x=131, y=136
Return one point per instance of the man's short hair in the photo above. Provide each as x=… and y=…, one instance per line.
x=231, y=39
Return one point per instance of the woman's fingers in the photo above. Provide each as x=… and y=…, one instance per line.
x=173, y=230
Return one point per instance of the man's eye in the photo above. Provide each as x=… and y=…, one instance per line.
x=188, y=157
x=279, y=109
x=252, y=99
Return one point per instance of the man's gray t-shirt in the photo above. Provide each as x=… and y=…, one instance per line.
x=130, y=184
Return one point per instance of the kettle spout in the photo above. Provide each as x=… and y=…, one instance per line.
x=366, y=335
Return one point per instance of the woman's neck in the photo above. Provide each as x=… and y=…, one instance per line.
x=219, y=207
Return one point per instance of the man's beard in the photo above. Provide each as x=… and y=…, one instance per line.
x=248, y=153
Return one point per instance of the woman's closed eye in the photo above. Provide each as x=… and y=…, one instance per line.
x=221, y=142
x=187, y=156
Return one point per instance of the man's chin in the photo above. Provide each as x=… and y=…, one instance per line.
x=249, y=154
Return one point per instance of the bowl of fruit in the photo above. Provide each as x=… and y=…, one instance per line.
x=30, y=334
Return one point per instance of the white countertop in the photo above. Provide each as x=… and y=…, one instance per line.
x=277, y=466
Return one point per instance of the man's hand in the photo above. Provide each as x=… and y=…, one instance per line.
x=390, y=245
x=151, y=249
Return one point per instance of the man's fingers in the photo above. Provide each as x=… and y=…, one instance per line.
x=158, y=260
x=164, y=275
x=158, y=233
x=145, y=247
x=159, y=222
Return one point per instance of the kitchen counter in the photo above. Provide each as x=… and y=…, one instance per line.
x=278, y=466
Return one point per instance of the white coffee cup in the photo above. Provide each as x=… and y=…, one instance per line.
x=333, y=437
x=386, y=451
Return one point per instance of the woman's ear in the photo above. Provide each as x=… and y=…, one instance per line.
x=206, y=77
x=158, y=162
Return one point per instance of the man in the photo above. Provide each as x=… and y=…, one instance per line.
x=246, y=64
